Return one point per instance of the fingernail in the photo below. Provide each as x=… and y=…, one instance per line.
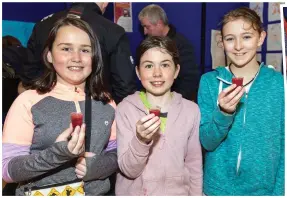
x=77, y=129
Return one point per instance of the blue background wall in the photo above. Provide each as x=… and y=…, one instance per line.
x=186, y=17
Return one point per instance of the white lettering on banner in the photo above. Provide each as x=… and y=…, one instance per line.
x=47, y=17
x=132, y=60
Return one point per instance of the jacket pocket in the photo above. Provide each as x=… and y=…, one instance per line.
x=176, y=186
x=151, y=187
x=142, y=187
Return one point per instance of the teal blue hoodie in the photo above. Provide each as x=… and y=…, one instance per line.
x=256, y=129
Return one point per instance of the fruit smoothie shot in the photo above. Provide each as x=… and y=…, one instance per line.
x=155, y=111
x=76, y=119
x=238, y=81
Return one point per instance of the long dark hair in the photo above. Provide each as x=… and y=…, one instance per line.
x=94, y=83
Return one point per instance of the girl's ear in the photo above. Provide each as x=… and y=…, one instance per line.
x=49, y=57
x=261, y=38
x=138, y=73
x=176, y=71
x=219, y=40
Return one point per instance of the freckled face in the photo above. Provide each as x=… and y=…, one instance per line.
x=157, y=71
x=241, y=41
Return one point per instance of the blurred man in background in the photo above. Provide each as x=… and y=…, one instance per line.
x=155, y=23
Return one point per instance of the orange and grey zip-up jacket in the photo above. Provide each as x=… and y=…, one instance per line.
x=30, y=155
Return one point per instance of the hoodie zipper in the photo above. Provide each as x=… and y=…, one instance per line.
x=30, y=186
x=239, y=157
x=244, y=123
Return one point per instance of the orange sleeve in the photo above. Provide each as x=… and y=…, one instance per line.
x=18, y=126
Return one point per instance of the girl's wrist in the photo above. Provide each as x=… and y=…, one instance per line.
x=225, y=112
x=143, y=140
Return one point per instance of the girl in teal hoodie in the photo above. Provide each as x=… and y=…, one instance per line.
x=242, y=127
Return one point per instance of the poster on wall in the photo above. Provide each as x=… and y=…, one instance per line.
x=274, y=37
x=274, y=11
x=274, y=59
x=216, y=49
x=123, y=15
x=257, y=7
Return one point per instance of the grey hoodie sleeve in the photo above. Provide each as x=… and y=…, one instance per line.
x=26, y=167
x=101, y=166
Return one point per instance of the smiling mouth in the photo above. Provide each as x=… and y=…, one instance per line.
x=75, y=68
x=157, y=83
x=239, y=54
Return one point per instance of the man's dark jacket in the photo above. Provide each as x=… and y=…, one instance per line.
x=187, y=81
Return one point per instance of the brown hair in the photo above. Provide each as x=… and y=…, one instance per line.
x=161, y=42
x=9, y=41
x=244, y=13
x=94, y=83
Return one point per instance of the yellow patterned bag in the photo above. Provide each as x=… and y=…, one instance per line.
x=73, y=189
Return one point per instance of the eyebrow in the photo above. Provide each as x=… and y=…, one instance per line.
x=146, y=61
x=247, y=33
x=69, y=44
x=166, y=60
x=241, y=34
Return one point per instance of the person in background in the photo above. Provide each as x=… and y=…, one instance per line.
x=11, y=88
x=10, y=85
x=159, y=153
x=242, y=108
x=10, y=79
x=41, y=149
x=155, y=23
x=126, y=12
x=119, y=72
